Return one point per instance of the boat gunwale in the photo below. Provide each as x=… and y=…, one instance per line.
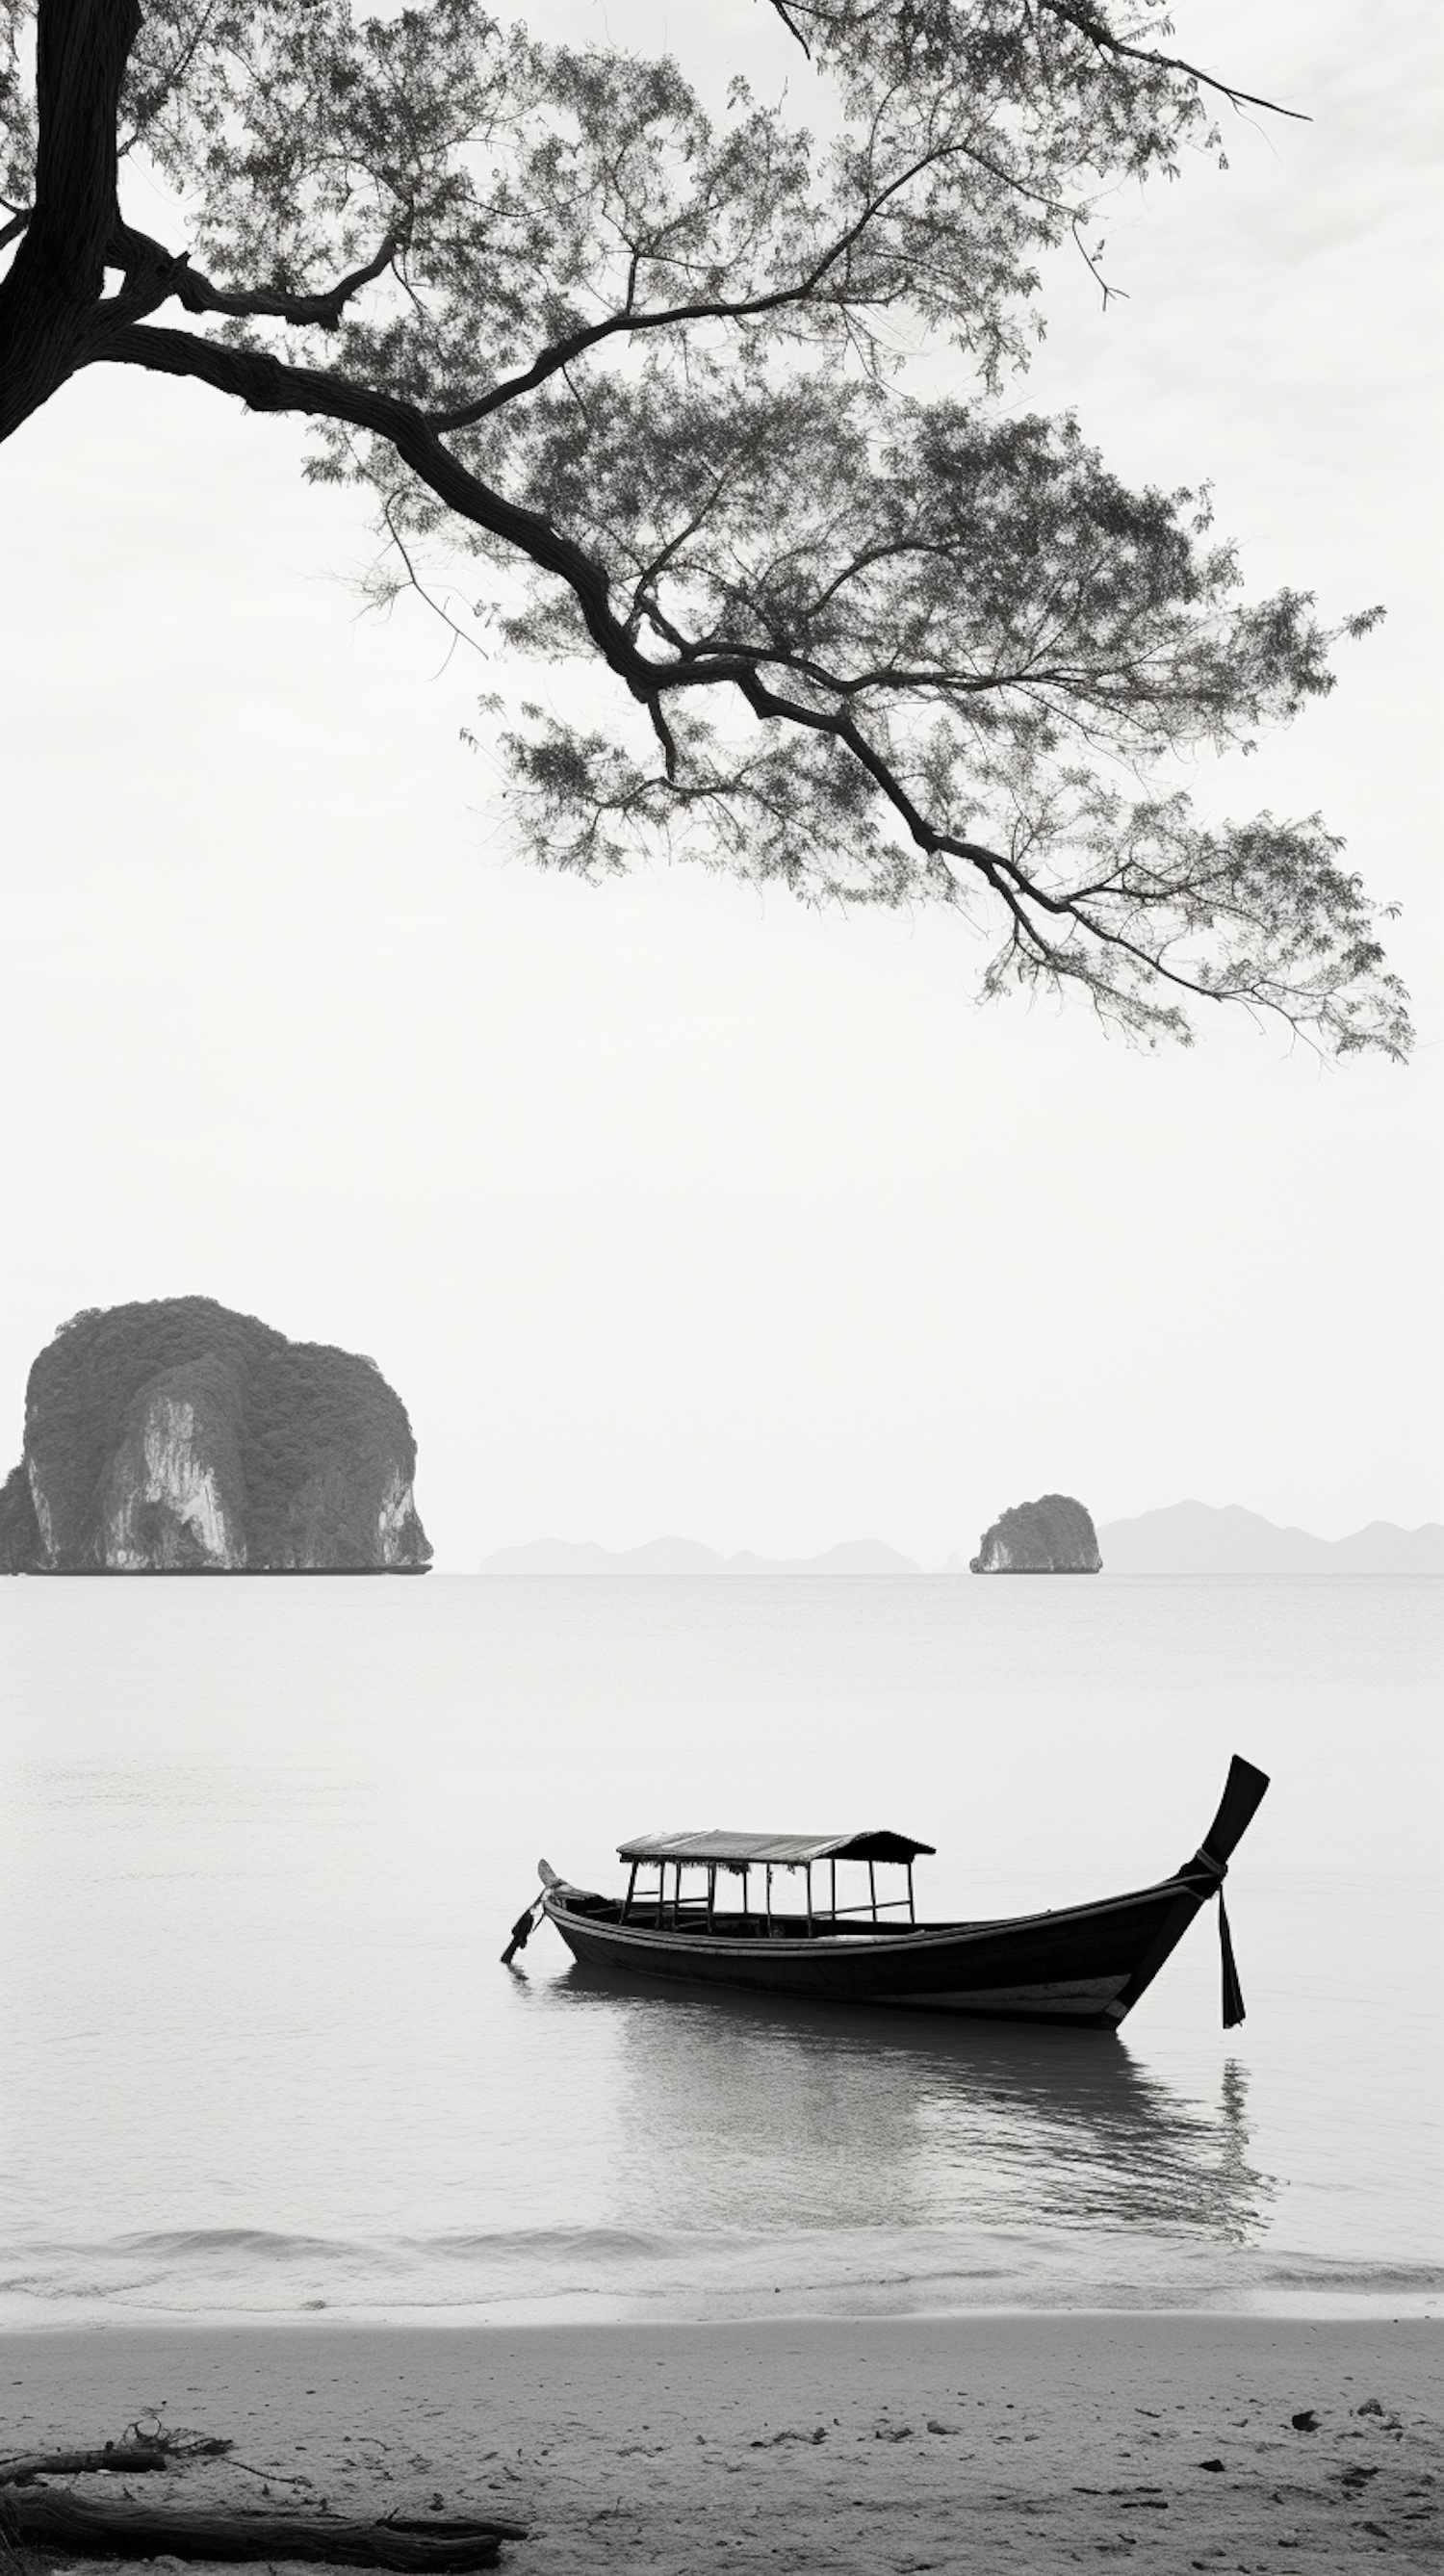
x=903, y=1937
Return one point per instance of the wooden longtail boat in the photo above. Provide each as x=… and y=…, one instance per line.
x=1085, y=1964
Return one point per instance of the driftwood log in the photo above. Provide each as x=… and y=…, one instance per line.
x=125, y=2459
x=59, y=2520
x=132, y=2455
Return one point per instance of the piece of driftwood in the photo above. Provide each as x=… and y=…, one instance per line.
x=59, y=2520
x=124, y=2459
x=8, y=2557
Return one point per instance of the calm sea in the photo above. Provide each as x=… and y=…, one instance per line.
x=261, y=1843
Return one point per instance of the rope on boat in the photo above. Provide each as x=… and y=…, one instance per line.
x=1232, y=1990
x=1233, y=2012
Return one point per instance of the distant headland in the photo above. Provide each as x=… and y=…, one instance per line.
x=1203, y=1538
x=1055, y=1535
x=1186, y=1538
x=178, y=1437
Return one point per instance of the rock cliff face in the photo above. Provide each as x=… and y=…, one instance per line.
x=1055, y=1535
x=179, y=1437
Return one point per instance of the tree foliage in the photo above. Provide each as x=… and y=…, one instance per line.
x=653, y=366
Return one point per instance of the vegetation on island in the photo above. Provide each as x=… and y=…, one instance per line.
x=661, y=381
x=150, y=1426
x=1054, y=1535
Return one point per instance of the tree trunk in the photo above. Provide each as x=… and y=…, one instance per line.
x=49, y=300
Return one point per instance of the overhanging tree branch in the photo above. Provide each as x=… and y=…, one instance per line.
x=797, y=291
x=1089, y=23
x=889, y=648
x=840, y=21
x=322, y=312
x=266, y=384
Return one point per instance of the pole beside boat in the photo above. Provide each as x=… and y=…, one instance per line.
x=522, y=1930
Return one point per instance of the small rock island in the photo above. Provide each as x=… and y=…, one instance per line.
x=178, y=1437
x=1055, y=1535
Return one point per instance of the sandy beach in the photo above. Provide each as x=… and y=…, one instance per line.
x=960, y=2444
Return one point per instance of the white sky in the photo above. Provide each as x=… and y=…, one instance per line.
x=667, y=1209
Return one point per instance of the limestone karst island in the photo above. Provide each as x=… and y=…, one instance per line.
x=1055, y=1535
x=177, y=1437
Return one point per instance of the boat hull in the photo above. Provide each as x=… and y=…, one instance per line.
x=1085, y=1965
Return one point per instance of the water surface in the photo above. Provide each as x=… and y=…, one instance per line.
x=261, y=1843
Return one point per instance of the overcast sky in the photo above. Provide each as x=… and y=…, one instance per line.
x=668, y=1209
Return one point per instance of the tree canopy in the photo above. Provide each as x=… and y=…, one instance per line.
x=653, y=366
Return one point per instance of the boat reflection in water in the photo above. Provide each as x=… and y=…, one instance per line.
x=1040, y=2161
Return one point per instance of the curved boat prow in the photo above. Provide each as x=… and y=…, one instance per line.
x=1242, y=1798
x=1243, y=1795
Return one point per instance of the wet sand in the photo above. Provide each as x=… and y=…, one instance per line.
x=965, y=2444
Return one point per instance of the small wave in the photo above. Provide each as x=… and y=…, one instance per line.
x=1362, y=2279
x=201, y=2244
x=518, y=2273
x=541, y=2244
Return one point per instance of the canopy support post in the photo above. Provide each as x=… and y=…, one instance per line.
x=826, y=1909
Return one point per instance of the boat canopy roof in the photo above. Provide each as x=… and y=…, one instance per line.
x=787, y=1851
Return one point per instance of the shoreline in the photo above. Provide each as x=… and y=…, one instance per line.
x=834, y=2447
x=579, y=2312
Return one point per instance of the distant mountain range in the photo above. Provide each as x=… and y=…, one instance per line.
x=1194, y=1538
x=1187, y=1538
x=670, y=1556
